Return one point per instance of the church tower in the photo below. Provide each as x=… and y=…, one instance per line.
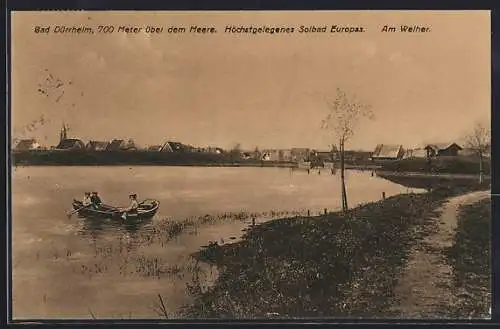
x=64, y=133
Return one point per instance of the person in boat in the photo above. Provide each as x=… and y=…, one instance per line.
x=87, y=200
x=96, y=200
x=133, y=206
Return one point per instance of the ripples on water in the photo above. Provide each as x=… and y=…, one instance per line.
x=65, y=267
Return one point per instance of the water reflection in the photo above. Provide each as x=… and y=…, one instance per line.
x=102, y=226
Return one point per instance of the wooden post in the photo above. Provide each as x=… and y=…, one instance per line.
x=308, y=212
x=383, y=195
x=326, y=211
x=253, y=221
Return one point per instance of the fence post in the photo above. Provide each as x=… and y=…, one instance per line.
x=383, y=195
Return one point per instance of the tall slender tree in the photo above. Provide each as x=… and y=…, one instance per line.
x=345, y=114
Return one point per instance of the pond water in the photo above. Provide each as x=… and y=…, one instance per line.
x=79, y=269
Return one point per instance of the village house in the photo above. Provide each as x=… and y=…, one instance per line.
x=174, y=147
x=27, y=144
x=388, y=152
x=121, y=145
x=443, y=149
x=97, y=146
x=71, y=144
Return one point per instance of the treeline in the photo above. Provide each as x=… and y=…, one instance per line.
x=85, y=157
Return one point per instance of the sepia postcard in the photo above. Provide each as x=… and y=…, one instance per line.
x=250, y=165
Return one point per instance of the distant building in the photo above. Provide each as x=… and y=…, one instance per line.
x=285, y=155
x=71, y=144
x=247, y=155
x=27, y=144
x=97, y=146
x=300, y=154
x=270, y=155
x=416, y=153
x=388, y=152
x=443, y=149
x=156, y=148
x=174, y=147
x=121, y=145
x=326, y=156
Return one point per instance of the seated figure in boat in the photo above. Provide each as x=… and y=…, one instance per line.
x=133, y=206
x=96, y=200
x=87, y=201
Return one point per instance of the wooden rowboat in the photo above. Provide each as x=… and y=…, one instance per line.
x=147, y=209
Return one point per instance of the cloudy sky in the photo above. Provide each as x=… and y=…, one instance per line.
x=257, y=90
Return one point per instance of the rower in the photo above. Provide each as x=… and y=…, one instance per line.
x=133, y=206
x=87, y=200
x=96, y=200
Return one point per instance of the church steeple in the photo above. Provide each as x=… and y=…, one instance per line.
x=64, y=133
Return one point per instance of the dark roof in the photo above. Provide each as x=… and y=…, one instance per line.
x=442, y=146
x=174, y=147
x=115, y=145
x=25, y=144
x=70, y=143
x=387, y=151
x=97, y=145
x=120, y=144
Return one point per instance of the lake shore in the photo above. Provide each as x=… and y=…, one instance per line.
x=288, y=267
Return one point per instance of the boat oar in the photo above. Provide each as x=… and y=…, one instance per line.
x=75, y=211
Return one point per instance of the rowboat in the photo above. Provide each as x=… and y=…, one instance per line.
x=147, y=209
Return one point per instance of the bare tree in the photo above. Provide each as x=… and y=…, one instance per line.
x=479, y=140
x=345, y=114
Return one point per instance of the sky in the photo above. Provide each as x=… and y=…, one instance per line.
x=255, y=90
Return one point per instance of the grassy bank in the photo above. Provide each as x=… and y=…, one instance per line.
x=470, y=258
x=447, y=165
x=332, y=265
x=431, y=181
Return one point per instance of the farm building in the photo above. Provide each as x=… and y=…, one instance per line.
x=71, y=144
x=388, y=152
x=97, y=146
x=27, y=144
x=443, y=149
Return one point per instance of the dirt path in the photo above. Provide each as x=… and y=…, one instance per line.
x=423, y=291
